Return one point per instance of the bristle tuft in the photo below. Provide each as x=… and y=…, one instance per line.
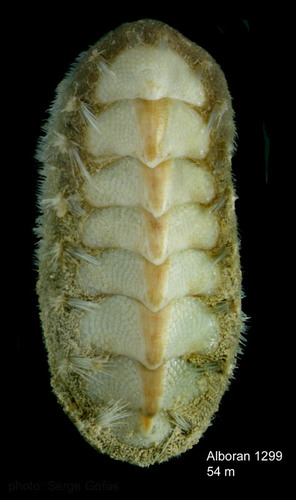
x=79, y=253
x=178, y=420
x=112, y=413
x=90, y=118
x=83, y=305
x=90, y=369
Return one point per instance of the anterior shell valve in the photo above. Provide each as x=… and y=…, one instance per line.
x=139, y=273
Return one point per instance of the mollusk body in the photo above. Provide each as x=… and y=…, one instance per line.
x=140, y=281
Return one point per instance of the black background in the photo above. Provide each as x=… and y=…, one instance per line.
x=46, y=453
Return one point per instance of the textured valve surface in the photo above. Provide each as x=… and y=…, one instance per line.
x=140, y=281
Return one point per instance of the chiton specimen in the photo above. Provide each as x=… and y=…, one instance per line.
x=139, y=271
